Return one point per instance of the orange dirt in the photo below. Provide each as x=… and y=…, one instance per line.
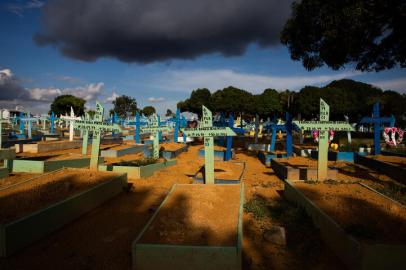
x=171, y=146
x=395, y=160
x=347, y=204
x=14, y=178
x=226, y=170
x=191, y=217
x=20, y=200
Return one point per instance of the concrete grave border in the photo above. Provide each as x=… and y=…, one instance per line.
x=354, y=254
x=26, y=230
x=160, y=256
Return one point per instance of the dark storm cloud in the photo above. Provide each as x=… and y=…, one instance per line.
x=10, y=88
x=157, y=30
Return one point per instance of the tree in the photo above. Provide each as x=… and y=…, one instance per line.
x=198, y=97
x=233, y=100
x=267, y=103
x=148, y=111
x=169, y=113
x=125, y=106
x=365, y=32
x=62, y=104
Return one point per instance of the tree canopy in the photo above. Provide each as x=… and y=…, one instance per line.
x=62, y=104
x=125, y=106
x=148, y=111
x=368, y=33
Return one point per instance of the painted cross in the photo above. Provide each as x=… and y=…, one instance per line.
x=21, y=122
x=96, y=126
x=44, y=119
x=207, y=131
x=377, y=121
x=347, y=119
x=229, y=142
x=29, y=120
x=85, y=135
x=287, y=127
x=177, y=126
x=154, y=129
x=159, y=124
x=323, y=126
x=72, y=118
x=52, y=119
x=137, y=128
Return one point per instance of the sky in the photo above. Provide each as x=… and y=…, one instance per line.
x=155, y=51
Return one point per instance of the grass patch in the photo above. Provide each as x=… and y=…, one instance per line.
x=137, y=163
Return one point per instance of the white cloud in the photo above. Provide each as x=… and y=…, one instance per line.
x=112, y=97
x=220, y=78
x=18, y=8
x=398, y=84
x=155, y=100
x=69, y=79
x=89, y=92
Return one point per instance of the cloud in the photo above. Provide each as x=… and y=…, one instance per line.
x=394, y=84
x=68, y=79
x=156, y=100
x=112, y=97
x=220, y=78
x=18, y=7
x=146, y=31
x=12, y=94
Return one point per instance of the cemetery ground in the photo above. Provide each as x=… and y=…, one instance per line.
x=102, y=238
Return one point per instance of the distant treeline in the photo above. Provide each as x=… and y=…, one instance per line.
x=345, y=97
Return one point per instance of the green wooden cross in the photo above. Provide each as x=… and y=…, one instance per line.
x=154, y=129
x=85, y=135
x=207, y=131
x=323, y=126
x=96, y=126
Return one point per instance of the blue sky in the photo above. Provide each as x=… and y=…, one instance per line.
x=45, y=72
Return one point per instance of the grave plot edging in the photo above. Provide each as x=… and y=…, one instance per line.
x=199, y=180
x=173, y=154
x=24, y=231
x=354, y=254
x=126, y=151
x=395, y=172
x=162, y=257
x=288, y=172
x=266, y=158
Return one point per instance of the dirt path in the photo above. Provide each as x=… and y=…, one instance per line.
x=102, y=239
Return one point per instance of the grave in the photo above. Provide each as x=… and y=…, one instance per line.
x=323, y=126
x=29, y=121
x=361, y=239
x=193, y=242
x=122, y=150
x=172, y=150
x=71, y=118
x=96, y=126
x=207, y=131
x=230, y=172
x=27, y=214
x=378, y=122
x=154, y=129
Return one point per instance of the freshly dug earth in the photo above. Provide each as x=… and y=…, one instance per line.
x=226, y=170
x=307, y=162
x=218, y=148
x=171, y=146
x=20, y=200
x=395, y=160
x=14, y=178
x=361, y=212
x=192, y=215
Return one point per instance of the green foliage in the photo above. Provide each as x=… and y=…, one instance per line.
x=233, y=100
x=169, y=113
x=267, y=103
x=62, y=104
x=148, y=111
x=124, y=106
x=197, y=98
x=367, y=33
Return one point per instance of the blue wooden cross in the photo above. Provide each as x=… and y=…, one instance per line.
x=183, y=124
x=52, y=119
x=21, y=122
x=29, y=121
x=287, y=127
x=137, y=128
x=177, y=126
x=230, y=138
x=159, y=125
x=378, y=122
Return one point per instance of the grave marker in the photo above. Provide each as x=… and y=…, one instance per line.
x=72, y=118
x=207, y=131
x=229, y=142
x=137, y=128
x=29, y=121
x=21, y=123
x=377, y=121
x=96, y=126
x=52, y=119
x=2, y=120
x=348, y=132
x=323, y=126
x=287, y=127
x=177, y=126
x=154, y=129
x=85, y=135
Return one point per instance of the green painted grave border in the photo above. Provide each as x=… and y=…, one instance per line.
x=354, y=254
x=138, y=172
x=42, y=166
x=22, y=232
x=159, y=256
x=131, y=149
x=173, y=154
x=288, y=172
